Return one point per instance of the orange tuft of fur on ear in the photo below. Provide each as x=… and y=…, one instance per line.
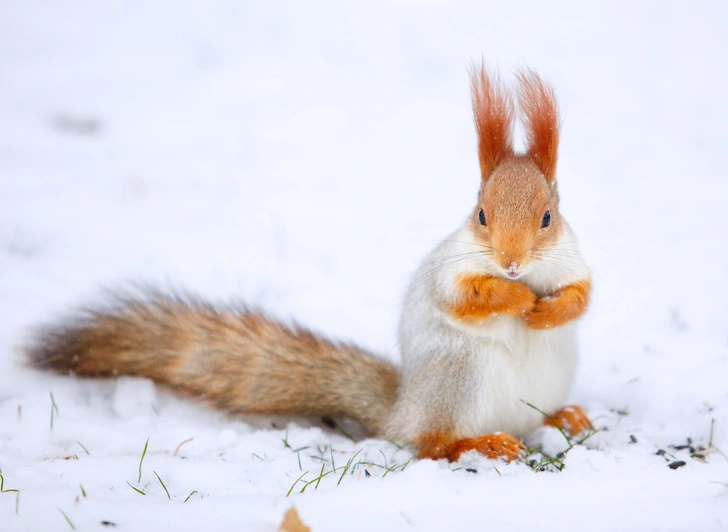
x=538, y=103
x=493, y=114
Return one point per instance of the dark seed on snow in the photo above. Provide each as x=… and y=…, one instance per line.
x=680, y=447
x=471, y=470
x=108, y=523
x=632, y=439
x=661, y=452
x=676, y=464
x=367, y=473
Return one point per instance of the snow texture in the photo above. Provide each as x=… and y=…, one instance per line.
x=303, y=157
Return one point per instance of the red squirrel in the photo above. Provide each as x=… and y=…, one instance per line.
x=487, y=321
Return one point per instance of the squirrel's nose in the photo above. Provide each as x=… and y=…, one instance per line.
x=510, y=261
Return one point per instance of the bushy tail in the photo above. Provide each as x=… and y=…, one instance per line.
x=240, y=360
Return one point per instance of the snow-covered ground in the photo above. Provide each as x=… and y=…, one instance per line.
x=304, y=157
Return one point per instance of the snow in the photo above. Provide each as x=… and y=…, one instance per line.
x=303, y=157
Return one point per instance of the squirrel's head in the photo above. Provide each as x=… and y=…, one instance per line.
x=517, y=214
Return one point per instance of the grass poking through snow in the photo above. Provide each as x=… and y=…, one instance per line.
x=70, y=523
x=144, y=453
x=326, y=457
x=136, y=489
x=162, y=483
x=139, y=490
x=2, y=485
x=711, y=446
x=54, y=409
x=83, y=447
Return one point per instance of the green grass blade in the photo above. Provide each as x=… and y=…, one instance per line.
x=2, y=485
x=162, y=483
x=294, y=484
x=347, y=466
x=54, y=408
x=136, y=489
x=144, y=453
x=67, y=519
x=345, y=433
x=83, y=447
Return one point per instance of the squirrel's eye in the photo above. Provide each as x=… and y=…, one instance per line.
x=546, y=220
x=481, y=217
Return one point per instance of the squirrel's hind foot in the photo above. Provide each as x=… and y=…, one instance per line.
x=494, y=446
x=570, y=419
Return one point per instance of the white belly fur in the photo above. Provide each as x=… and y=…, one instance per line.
x=516, y=364
x=479, y=375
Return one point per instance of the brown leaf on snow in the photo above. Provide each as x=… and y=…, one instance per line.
x=292, y=523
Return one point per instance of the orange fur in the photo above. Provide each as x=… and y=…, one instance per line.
x=538, y=103
x=439, y=445
x=493, y=113
x=482, y=296
x=565, y=305
x=571, y=419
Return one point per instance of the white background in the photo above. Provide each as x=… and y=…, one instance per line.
x=303, y=157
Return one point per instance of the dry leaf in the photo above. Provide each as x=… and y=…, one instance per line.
x=292, y=523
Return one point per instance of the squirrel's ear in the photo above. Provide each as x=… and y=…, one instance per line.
x=538, y=103
x=493, y=113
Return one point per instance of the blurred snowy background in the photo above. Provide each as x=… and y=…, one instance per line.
x=303, y=157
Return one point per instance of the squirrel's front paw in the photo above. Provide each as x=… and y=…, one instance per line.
x=512, y=298
x=557, y=310
x=540, y=316
x=546, y=314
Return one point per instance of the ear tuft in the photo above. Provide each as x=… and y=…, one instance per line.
x=493, y=114
x=538, y=103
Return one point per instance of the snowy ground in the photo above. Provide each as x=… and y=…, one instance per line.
x=304, y=158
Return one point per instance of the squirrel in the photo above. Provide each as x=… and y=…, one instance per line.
x=487, y=322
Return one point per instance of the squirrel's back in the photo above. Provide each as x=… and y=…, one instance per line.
x=242, y=361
